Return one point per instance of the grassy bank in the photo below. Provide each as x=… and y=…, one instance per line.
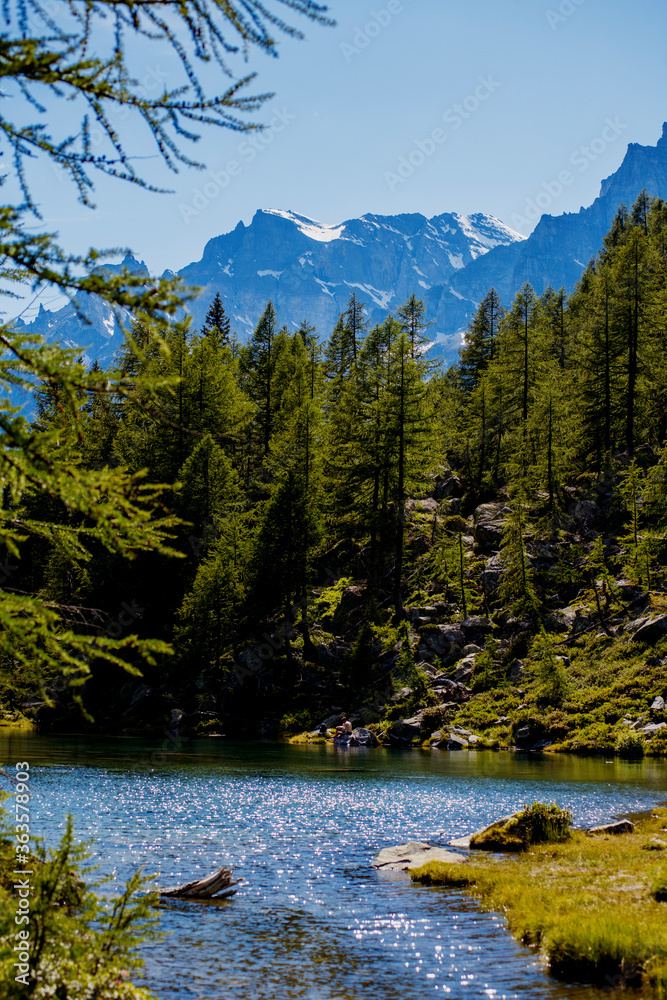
x=596, y=905
x=608, y=686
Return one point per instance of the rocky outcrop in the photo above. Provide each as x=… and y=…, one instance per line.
x=407, y=857
x=493, y=570
x=475, y=628
x=463, y=669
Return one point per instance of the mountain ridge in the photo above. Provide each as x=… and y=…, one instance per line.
x=309, y=268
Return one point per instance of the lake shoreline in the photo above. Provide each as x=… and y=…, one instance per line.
x=594, y=905
x=26, y=726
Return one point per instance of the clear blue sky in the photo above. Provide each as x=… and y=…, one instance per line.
x=354, y=99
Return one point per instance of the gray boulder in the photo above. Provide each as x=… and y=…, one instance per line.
x=448, y=690
x=464, y=668
x=430, y=612
x=364, y=738
x=561, y=620
x=515, y=670
x=653, y=728
x=628, y=591
x=447, y=485
x=658, y=704
x=489, y=520
x=441, y=640
x=649, y=629
x=413, y=855
x=585, y=512
x=404, y=732
x=623, y=826
x=493, y=570
x=426, y=506
x=475, y=626
x=331, y=721
x=456, y=742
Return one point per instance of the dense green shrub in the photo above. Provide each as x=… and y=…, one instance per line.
x=295, y=722
x=551, y=673
x=536, y=824
x=630, y=744
x=545, y=824
x=488, y=672
x=595, y=738
x=657, y=747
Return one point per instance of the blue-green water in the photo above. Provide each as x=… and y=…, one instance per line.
x=313, y=921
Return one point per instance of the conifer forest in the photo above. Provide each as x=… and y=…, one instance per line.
x=325, y=500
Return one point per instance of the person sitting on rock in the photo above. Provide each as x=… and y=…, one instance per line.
x=345, y=727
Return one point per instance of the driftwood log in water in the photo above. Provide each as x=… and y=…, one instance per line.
x=219, y=884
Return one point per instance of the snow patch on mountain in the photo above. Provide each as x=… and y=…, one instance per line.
x=479, y=231
x=381, y=299
x=314, y=230
x=326, y=286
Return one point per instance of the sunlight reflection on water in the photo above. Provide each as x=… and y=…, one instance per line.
x=313, y=921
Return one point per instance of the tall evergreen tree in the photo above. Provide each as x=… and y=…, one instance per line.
x=257, y=366
x=480, y=341
x=355, y=323
x=216, y=325
x=411, y=317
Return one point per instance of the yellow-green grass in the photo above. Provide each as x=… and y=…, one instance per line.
x=589, y=903
x=16, y=721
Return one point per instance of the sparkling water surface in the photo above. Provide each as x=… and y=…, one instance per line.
x=301, y=825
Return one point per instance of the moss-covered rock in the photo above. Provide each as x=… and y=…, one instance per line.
x=537, y=824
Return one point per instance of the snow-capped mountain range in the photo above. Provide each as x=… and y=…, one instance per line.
x=309, y=269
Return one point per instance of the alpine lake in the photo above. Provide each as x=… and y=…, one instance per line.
x=312, y=919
